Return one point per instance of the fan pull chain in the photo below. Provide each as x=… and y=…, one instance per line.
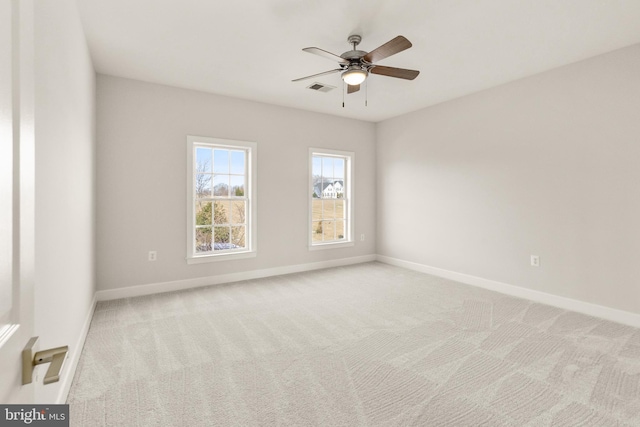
x=366, y=93
x=343, y=90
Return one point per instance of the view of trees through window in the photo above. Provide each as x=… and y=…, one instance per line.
x=220, y=200
x=328, y=204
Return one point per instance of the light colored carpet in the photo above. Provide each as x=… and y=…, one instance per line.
x=364, y=345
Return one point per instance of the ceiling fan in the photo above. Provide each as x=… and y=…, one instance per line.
x=355, y=65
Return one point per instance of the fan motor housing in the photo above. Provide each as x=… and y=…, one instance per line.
x=353, y=54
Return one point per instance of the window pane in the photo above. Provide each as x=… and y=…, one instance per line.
x=221, y=161
x=316, y=166
x=203, y=239
x=340, y=209
x=221, y=185
x=203, y=213
x=221, y=238
x=316, y=231
x=338, y=168
x=316, y=187
x=340, y=230
x=328, y=209
x=338, y=186
x=237, y=236
x=237, y=162
x=327, y=167
x=237, y=186
x=221, y=212
x=316, y=209
x=323, y=187
x=203, y=185
x=328, y=230
x=238, y=212
x=203, y=159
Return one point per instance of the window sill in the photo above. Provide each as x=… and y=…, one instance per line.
x=337, y=245
x=229, y=256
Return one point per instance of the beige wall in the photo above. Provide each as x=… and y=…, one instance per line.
x=65, y=148
x=142, y=131
x=547, y=165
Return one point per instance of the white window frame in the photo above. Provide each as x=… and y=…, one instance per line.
x=349, y=158
x=251, y=148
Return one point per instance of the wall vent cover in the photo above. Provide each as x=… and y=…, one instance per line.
x=321, y=87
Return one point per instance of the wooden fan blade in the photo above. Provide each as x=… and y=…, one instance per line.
x=324, y=53
x=318, y=75
x=401, y=73
x=353, y=88
x=391, y=47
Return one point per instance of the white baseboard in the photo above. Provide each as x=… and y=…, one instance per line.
x=612, y=314
x=608, y=313
x=155, y=288
x=71, y=364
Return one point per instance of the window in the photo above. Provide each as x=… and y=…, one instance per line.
x=330, y=198
x=221, y=207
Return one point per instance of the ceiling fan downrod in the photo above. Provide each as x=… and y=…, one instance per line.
x=354, y=40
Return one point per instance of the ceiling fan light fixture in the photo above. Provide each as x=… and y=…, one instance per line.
x=354, y=75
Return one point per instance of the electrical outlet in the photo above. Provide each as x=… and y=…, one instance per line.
x=153, y=255
x=535, y=261
x=362, y=237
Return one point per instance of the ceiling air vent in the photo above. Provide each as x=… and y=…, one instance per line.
x=321, y=87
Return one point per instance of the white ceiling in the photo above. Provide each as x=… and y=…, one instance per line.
x=251, y=49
